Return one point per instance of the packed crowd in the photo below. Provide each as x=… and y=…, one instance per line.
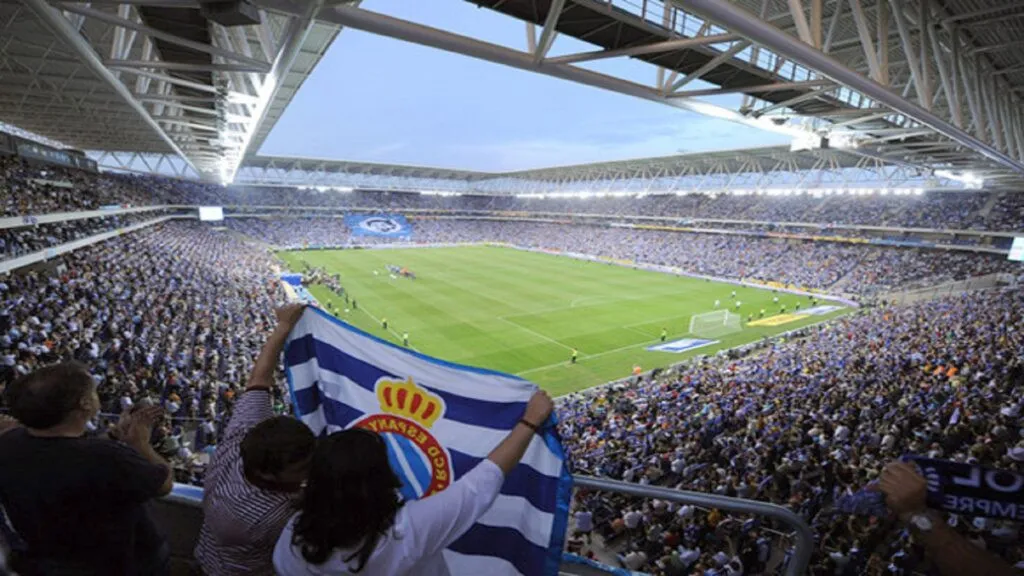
x=1007, y=214
x=854, y=269
x=171, y=315
x=26, y=190
x=174, y=316
x=938, y=210
x=35, y=237
x=292, y=232
x=804, y=424
x=31, y=189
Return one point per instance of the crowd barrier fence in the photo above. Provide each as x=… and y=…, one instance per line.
x=180, y=516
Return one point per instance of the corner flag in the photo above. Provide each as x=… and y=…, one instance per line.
x=439, y=420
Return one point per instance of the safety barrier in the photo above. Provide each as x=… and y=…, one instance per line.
x=949, y=288
x=180, y=514
x=53, y=217
x=801, y=531
x=54, y=251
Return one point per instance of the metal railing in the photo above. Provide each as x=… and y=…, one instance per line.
x=189, y=498
x=801, y=531
x=948, y=289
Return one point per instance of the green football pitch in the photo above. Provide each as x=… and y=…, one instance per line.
x=523, y=312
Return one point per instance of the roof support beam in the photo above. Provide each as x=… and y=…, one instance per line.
x=173, y=80
x=904, y=134
x=1009, y=142
x=760, y=88
x=161, y=35
x=194, y=125
x=63, y=29
x=182, y=66
x=974, y=98
x=715, y=62
x=367, y=21
x=833, y=25
x=547, y=35
x=196, y=109
x=861, y=21
x=882, y=35
x=1018, y=129
x=987, y=88
x=952, y=96
x=860, y=119
x=742, y=22
x=154, y=3
x=172, y=100
x=291, y=40
x=956, y=69
x=666, y=46
x=795, y=100
x=816, y=15
x=924, y=89
x=1004, y=7
x=803, y=28
x=1008, y=70
x=997, y=47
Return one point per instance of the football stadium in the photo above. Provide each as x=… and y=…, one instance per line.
x=665, y=287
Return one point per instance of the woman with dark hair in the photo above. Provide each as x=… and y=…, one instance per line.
x=353, y=521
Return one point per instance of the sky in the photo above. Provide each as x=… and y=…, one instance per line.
x=375, y=99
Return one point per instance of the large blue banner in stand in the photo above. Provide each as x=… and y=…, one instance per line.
x=386, y=225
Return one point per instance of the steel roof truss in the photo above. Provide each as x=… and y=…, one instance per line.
x=161, y=35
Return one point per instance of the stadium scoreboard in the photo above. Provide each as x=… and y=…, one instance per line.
x=1017, y=250
x=211, y=213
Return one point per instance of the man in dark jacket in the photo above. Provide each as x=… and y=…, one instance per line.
x=76, y=503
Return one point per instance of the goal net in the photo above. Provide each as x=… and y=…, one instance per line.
x=715, y=324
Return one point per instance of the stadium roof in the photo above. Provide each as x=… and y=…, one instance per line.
x=932, y=83
x=153, y=76
x=924, y=81
x=292, y=163
x=725, y=160
x=757, y=168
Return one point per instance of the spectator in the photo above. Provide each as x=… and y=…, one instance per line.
x=28, y=190
x=584, y=524
x=255, y=476
x=905, y=492
x=34, y=238
x=836, y=267
x=76, y=502
x=376, y=534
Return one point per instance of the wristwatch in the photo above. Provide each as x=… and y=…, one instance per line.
x=921, y=521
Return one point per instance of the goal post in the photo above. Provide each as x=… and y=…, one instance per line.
x=715, y=324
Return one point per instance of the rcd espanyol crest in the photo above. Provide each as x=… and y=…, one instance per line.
x=381, y=225
x=407, y=413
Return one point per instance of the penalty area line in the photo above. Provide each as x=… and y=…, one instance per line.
x=535, y=333
x=583, y=357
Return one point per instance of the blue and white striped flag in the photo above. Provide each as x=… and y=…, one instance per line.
x=439, y=421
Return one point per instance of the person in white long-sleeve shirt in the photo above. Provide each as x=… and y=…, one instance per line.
x=352, y=521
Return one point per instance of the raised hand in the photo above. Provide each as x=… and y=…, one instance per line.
x=538, y=408
x=140, y=423
x=8, y=423
x=288, y=315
